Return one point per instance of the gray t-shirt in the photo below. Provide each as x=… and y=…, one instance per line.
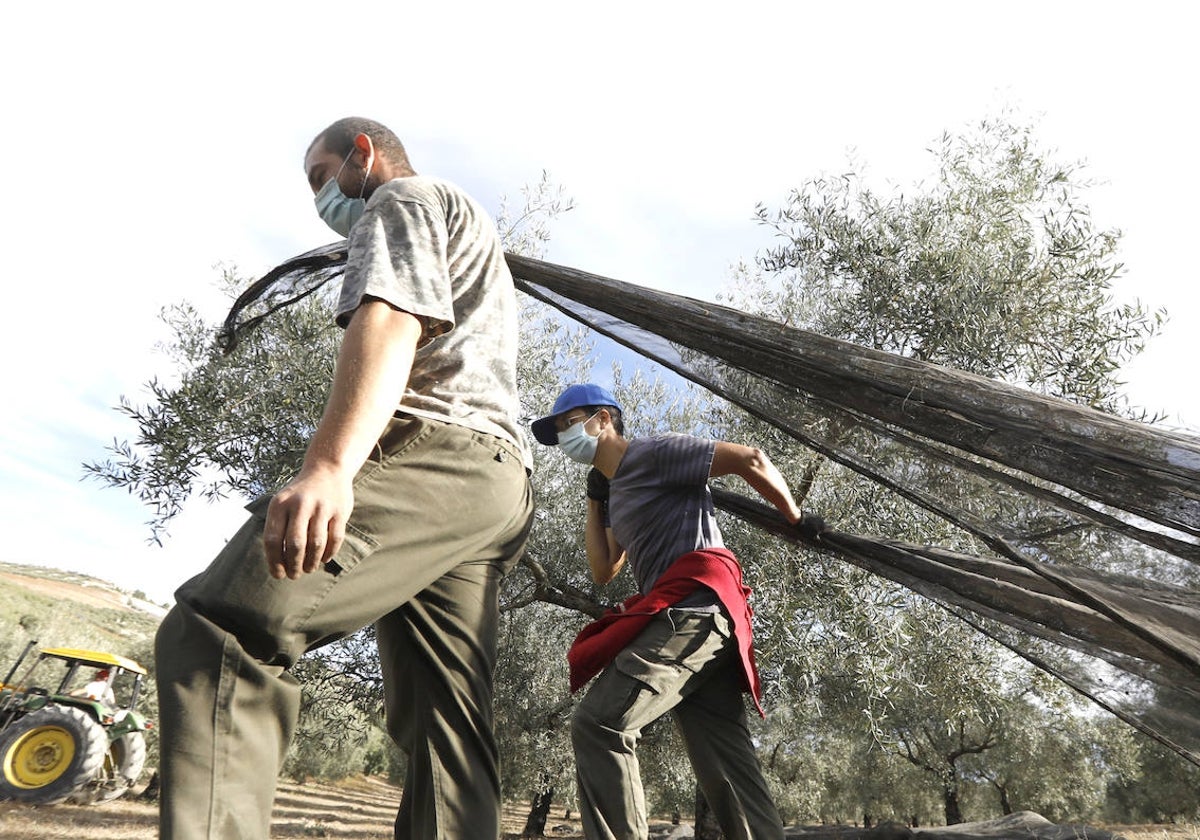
x=660, y=507
x=426, y=247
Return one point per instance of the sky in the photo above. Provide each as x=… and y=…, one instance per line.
x=150, y=144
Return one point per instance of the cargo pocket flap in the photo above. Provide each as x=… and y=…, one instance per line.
x=259, y=506
x=356, y=546
x=656, y=676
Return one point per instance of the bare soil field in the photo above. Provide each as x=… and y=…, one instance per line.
x=65, y=590
x=355, y=809
x=82, y=591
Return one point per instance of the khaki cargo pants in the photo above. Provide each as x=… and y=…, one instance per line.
x=686, y=663
x=441, y=513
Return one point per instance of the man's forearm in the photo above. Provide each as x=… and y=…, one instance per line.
x=605, y=557
x=756, y=468
x=767, y=480
x=372, y=371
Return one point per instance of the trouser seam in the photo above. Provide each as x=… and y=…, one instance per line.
x=226, y=682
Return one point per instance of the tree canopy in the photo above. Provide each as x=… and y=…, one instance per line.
x=995, y=267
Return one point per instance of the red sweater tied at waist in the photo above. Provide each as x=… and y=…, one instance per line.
x=598, y=643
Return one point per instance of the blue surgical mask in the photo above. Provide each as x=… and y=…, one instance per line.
x=335, y=208
x=577, y=444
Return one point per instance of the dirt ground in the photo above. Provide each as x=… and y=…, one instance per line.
x=1157, y=832
x=356, y=809
x=95, y=596
x=63, y=590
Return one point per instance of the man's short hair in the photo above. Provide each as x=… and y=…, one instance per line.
x=339, y=139
x=613, y=412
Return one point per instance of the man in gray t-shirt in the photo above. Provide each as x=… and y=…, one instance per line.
x=683, y=644
x=660, y=507
x=412, y=502
x=428, y=249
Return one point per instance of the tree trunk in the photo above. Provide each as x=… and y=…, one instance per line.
x=707, y=827
x=150, y=794
x=539, y=810
x=953, y=811
x=1005, y=804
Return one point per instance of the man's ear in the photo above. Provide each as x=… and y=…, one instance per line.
x=364, y=145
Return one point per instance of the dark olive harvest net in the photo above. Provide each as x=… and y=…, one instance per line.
x=1075, y=483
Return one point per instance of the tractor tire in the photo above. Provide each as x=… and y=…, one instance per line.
x=48, y=755
x=122, y=766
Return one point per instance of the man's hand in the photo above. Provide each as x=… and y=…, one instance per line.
x=306, y=523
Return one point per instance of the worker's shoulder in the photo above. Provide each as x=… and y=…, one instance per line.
x=422, y=189
x=669, y=441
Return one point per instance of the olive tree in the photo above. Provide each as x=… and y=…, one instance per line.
x=993, y=266
x=996, y=267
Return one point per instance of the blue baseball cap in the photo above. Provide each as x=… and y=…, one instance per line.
x=577, y=396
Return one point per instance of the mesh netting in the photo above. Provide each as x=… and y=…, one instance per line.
x=282, y=286
x=1066, y=479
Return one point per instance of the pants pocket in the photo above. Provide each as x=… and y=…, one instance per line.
x=656, y=675
x=676, y=644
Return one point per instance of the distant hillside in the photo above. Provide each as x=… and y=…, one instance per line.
x=65, y=609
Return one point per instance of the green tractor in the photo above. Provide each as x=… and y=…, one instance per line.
x=69, y=729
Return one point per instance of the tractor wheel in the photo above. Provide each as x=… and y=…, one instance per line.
x=122, y=766
x=49, y=754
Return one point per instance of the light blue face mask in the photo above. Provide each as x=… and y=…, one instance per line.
x=577, y=444
x=335, y=208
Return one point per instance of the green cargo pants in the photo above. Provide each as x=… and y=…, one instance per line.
x=441, y=514
x=685, y=663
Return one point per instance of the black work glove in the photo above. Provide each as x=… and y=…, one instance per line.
x=810, y=526
x=597, y=485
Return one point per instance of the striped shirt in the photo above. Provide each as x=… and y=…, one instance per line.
x=660, y=506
